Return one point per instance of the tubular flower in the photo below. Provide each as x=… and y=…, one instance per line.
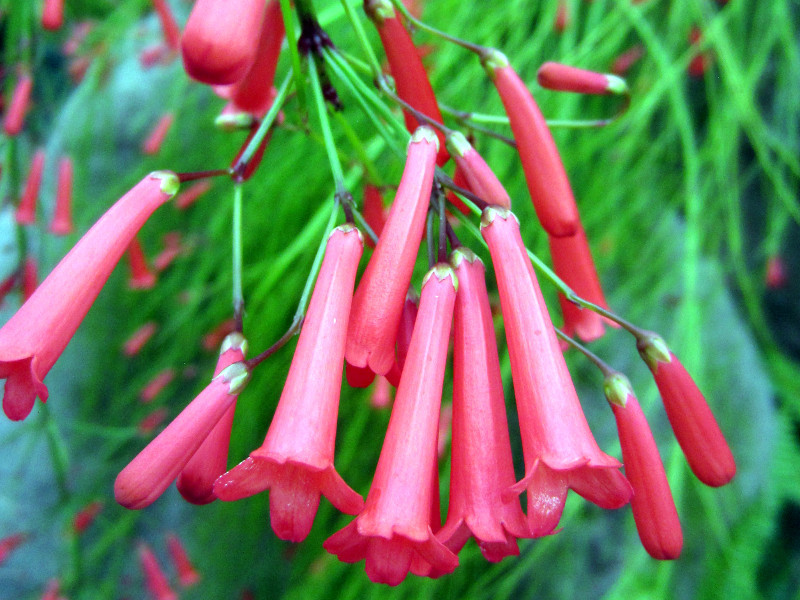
x=559, y=449
x=220, y=40
x=480, y=179
x=196, y=481
x=139, y=338
x=156, y=385
x=461, y=181
x=573, y=263
x=404, y=333
x=62, y=218
x=151, y=472
x=544, y=172
x=358, y=377
x=395, y=525
x=410, y=78
x=652, y=504
x=373, y=211
x=378, y=301
x=172, y=33
x=564, y=78
x=10, y=543
x=187, y=574
x=53, y=14
x=154, y=578
x=482, y=467
x=52, y=590
x=30, y=280
x=296, y=459
x=156, y=137
x=189, y=196
x=20, y=102
x=141, y=276
x=691, y=419
x=26, y=212
x=86, y=516
x=33, y=339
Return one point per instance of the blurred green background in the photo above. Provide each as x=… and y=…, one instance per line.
x=684, y=200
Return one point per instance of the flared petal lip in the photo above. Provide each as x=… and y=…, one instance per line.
x=9, y=364
x=227, y=488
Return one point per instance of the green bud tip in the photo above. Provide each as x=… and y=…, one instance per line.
x=236, y=376
x=442, y=272
x=461, y=254
x=653, y=350
x=347, y=228
x=378, y=10
x=617, y=388
x=233, y=121
x=234, y=341
x=490, y=213
x=457, y=144
x=493, y=59
x=616, y=85
x=423, y=133
x=170, y=184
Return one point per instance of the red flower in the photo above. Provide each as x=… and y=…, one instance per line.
x=482, y=467
x=480, y=179
x=141, y=276
x=378, y=301
x=151, y=472
x=652, y=504
x=139, y=338
x=196, y=481
x=9, y=543
x=30, y=281
x=86, y=516
x=544, y=172
x=692, y=421
x=156, y=385
x=172, y=33
x=395, y=525
x=53, y=14
x=156, y=137
x=187, y=574
x=188, y=197
x=53, y=589
x=404, y=332
x=20, y=101
x=564, y=78
x=573, y=263
x=560, y=451
x=154, y=578
x=373, y=211
x=296, y=459
x=62, y=218
x=26, y=212
x=220, y=40
x=626, y=60
x=775, y=278
x=34, y=338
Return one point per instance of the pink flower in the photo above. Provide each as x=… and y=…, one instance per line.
x=156, y=137
x=139, y=338
x=9, y=543
x=26, y=212
x=560, y=451
x=188, y=197
x=187, y=574
x=296, y=459
x=652, y=504
x=156, y=385
x=62, y=218
x=775, y=278
x=34, y=338
x=141, y=276
x=154, y=578
x=53, y=14
x=573, y=263
x=152, y=471
x=172, y=249
x=20, y=102
x=172, y=33
x=86, y=516
x=692, y=421
x=381, y=396
x=152, y=420
x=196, y=481
x=564, y=78
x=30, y=281
x=482, y=467
x=395, y=525
x=52, y=590
x=378, y=301
x=544, y=172
x=480, y=179
x=404, y=332
x=373, y=211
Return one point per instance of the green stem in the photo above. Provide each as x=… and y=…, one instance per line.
x=294, y=54
x=476, y=48
x=361, y=35
x=238, y=295
x=325, y=125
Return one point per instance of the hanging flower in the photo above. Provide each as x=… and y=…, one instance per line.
x=395, y=525
x=693, y=423
x=172, y=33
x=154, y=578
x=187, y=574
x=20, y=102
x=564, y=78
x=155, y=138
x=139, y=338
x=560, y=451
x=482, y=467
x=62, y=218
x=480, y=179
x=26, y=211
x=141, y=277
x=296, y=459
x=33, y=339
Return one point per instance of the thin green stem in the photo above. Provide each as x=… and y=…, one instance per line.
x=476, y=48
x=294, y=54
x=238, y=295
x=325, y=125
x=361, y=35
x=604, y=367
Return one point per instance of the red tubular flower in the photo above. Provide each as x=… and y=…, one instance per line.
x=373, y=211
x=560, y=451
x=86, y=516
x=7, y=285
x=154, y=578
x=62, y=218
x=626, y=60
x=141, y=276
x=253, y=93
x=692, y=421
x=775, y=277
x=26, y=212
x=296, y=459
x=394, y=526
x=410, y=78
x=482, y=466
x=196, y=481
x=461, y=181
x=30, y=281
x=544, y=172
x=564, y=78
x=156, y=137
x=378, y=301
x=151, y=472
x=404, y=333
x=33, y=339
x=156, y=385
x=652, y=504
x=172, y=249
x=20, y=101
x=358, y=377
x=573, y=263
x=480, y=179
x=190, y=195
x=220, y=40
x=53, y=14
x=216, y=336
x=381, y=394
x=172, y=33
x=9, y=543
x=187, y=574
x=139, y=338
x=152, y=420
x=52, y=590
x=562, y=17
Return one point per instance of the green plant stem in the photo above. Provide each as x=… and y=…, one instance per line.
x=361, y=36
x=238, y=295
x=476, y=48
x=325, y=126
x=604, y=367
x=294, y=55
